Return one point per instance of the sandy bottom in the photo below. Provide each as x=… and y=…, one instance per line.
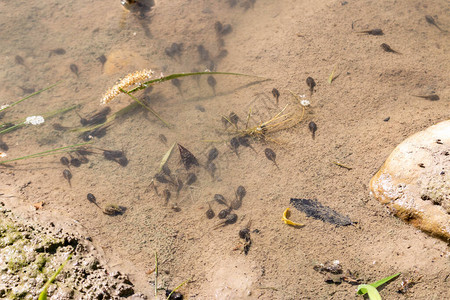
x=361, y=116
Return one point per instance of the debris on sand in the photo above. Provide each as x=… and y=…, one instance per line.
x=315, y=209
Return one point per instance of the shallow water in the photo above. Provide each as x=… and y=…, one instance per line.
x=284, y=41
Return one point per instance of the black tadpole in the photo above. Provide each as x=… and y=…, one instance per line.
x=271, y=156
x=311, y=84
x=74, y=69
x=430, y=20
x=234, y=142
x=92, y=199
x=276, y=94
x=210, y=213
x=212, y=154
x=313, y=128
x=177, y=83
x=68, y=176
x=212, y=83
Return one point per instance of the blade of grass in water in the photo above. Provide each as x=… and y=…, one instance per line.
x=43, y=294
x=45, y=153
x=21, y=123
x=156, y=274
x=146, y=107
x=173, y=76
x=29, y=96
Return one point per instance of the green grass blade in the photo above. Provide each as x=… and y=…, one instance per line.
x=146, y=107
x=21, y=123
x=370, y=290
x=43, y=294
x=44, y=153
x=31, y=95
x=175, y=289
x=384, y=280
x=173, y=76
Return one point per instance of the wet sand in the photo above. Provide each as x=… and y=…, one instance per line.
x=284, y=41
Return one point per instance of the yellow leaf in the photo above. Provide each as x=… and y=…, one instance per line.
x=285, y=219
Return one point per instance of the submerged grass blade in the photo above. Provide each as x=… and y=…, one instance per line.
x=43, y=294
x=45, y=153
x=156, y=274
x=173, y=76
x=146, y=107
x=29, y=96
x=21, y=123
x=165, y=158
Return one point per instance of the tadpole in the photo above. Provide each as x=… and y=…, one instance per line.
x=177, y=83
x=92, y=199
x=375, y=31
x=245, y=141
x=230, y=219
x=234, y=142
x=163, y=139
x=161, y=178
x=432, y=97
x=271, y=156
x=210, y=213
x=220, y=199
x=68, y=176
x=102, y=59
x=75, y=162
x=74, y=69
x=211, y=168
x=65, y=161
x=276, y=94
x=3, y=146
x=166, y=194
x=430, y=20
x=212, y=83
x=311, y=84
x=204, y=54
x=166, y=170
x=58, y=51
x=388, y=48
x=191, y=178
x=234, y=119
x=313, y=128
x=224, y=213
x=240, y=192
x=212, y=154
x=19, y=60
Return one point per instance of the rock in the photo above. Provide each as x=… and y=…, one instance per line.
x=414, y=182
x=122, y=61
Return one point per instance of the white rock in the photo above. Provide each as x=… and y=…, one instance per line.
x=415, y=180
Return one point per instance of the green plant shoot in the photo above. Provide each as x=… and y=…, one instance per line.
x=371, y=289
